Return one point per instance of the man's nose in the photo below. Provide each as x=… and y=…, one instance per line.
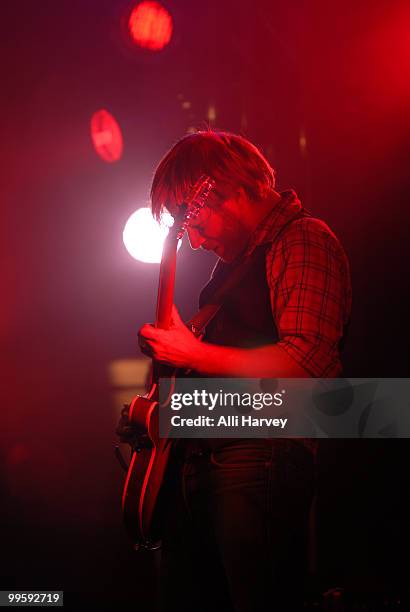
x=195, y=238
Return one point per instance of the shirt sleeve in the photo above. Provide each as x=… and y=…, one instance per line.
x=309, y=281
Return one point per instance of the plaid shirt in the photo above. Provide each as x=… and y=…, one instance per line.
x=308, y=275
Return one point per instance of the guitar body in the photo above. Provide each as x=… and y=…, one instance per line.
x=145, y=475
x=150, y=453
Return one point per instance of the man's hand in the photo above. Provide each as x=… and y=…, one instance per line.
x=176, y=346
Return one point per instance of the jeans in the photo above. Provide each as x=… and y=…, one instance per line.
x=235, y=527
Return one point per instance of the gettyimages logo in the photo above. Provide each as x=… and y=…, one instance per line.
x=223, y=399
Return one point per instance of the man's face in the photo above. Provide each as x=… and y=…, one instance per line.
x=220, y=228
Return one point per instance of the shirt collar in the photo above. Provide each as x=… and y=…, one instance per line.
x=286, y=209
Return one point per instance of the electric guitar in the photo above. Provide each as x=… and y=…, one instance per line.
x=149, y=452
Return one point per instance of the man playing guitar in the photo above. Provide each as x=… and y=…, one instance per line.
x=235, y=524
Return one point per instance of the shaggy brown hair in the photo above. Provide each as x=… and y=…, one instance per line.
x=231, y=160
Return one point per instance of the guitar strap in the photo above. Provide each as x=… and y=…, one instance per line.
x=205, y=314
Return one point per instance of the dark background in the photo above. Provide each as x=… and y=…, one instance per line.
x=72, y=298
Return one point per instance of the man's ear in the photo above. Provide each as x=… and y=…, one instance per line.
x=237, y=201
x=240, y=193
x=245, y=203
x=241, y=196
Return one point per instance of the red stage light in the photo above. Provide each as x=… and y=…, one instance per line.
x=106, y=136
x=150, y=25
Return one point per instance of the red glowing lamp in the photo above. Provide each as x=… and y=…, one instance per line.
x=150, y=25
x=106, y=136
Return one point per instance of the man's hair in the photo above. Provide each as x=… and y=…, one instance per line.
x=231, y=160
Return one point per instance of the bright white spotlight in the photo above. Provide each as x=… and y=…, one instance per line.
x=144, y=237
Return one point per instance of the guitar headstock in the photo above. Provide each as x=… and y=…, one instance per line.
x=193, y=204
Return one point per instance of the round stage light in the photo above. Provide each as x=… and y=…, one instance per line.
x=144, y=238
x=150, y=25
x=106, y=136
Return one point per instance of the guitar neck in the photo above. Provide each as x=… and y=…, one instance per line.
x=166, y=284
x=165, y=299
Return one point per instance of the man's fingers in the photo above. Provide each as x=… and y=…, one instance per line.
x=143, y=344
x=145, y=347
x=147, y=331
x=145, y=337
